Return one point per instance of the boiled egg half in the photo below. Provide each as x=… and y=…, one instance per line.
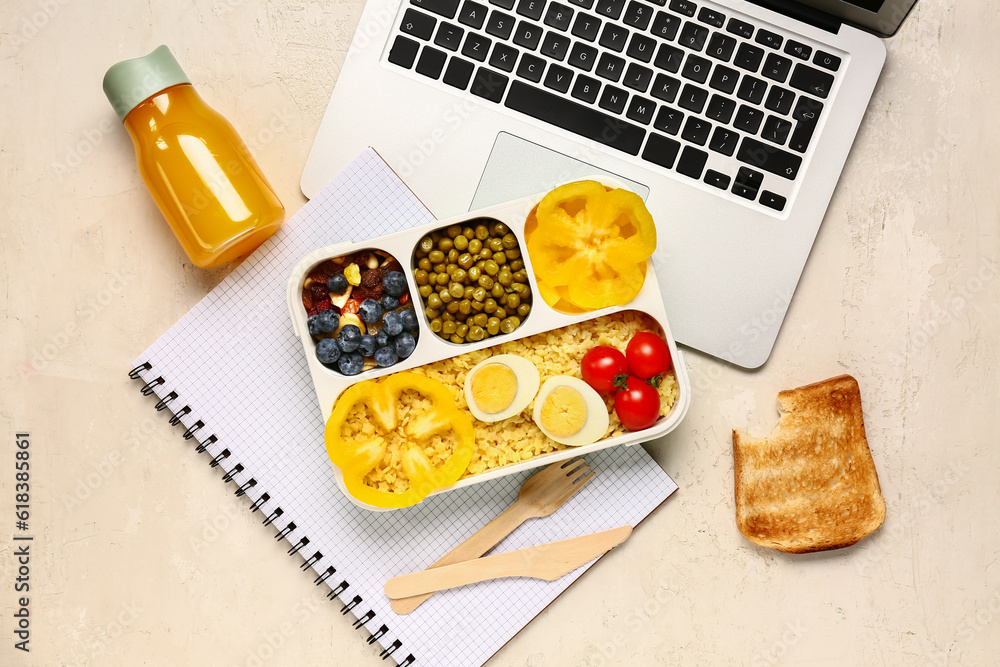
x=569, y=411
x=500, y=387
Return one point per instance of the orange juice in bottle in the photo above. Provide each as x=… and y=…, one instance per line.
x=197, y=168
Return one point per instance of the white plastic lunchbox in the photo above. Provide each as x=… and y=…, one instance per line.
x=430, y=347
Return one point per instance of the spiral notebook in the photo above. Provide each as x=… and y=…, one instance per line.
x=233, y=374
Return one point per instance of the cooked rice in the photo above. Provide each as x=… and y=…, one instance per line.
x=517, y=438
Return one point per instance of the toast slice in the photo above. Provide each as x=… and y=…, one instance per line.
x=811, y=485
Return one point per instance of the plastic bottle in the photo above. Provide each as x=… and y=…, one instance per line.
x=198, y=169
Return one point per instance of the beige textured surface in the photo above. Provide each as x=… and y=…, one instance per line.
x=143, y=557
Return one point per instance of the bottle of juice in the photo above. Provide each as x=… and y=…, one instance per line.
x=198, y=169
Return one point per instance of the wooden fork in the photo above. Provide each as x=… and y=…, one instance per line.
x=541, y=495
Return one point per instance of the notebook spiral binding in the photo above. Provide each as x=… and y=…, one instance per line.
x=272, y=515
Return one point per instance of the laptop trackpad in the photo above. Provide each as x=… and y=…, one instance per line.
x=518, y=168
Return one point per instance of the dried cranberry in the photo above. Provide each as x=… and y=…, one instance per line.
x=351, y=307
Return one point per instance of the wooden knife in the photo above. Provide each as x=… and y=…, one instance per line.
x=546, y=561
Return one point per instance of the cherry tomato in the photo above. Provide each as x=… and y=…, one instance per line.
x=637, y=405
x=602, y=366
x=647, y=355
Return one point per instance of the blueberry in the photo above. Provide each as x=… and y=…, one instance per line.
x=405, y=344
x=327, y=351
x=370, y=311
x=392, y=323
x=409, y=320
x=381, y=338
x=394, y=283
x=350, y=363
x=325, y=322
x=389, y=302
x=385, y=356
x=337, y=283
x=349, y=338
x=367, y=345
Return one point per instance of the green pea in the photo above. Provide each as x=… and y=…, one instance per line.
x=453, y=255
x=523, y=310
x=521, y=276
x=505, y=278
x=424, y=264
x=512, y=301
x=509, y=324
x=480, y=319
x=455, y=338
x=493, y=326
x=458, y=275
x=509, y=241
x=479, y=294
x=482, y=232
x=500, y=229
x=448, y=316
x=469, y=291
x=513, y=253
x=433, y=301
x=476, y=334
x=426, y=244
x=445, y=244
x=420, y=276
x=457, y=290
x=440, y=267
x=435, y=235
x=478, y=306
x=436, y=325
x=468, y=232
x=475, y=245
x=451, y=308
x=448, y=328
x=525, y=294
x=485, y=282
x=500, y=314
x=491, y=268
x=497, y=291
x=461, y=330
x=490, y=305
x=470, y=321
x=425, y=290
x=436, y=256
x=495, y=244
x=517, y=264
x=445, y=296
x=461, y=243
x=454, y=231
x=474, y=273
x=485, y=253
x=431, y=313
x=464, y=306
x=466, y=260
x=518, y=288
x=499, y=258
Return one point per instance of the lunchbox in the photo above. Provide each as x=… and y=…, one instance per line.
x=430, y=347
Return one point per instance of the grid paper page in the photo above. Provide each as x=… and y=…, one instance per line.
x=236, y=362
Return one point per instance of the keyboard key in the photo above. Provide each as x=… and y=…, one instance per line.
x=806, y=115
x=696, y=68
x=666, y=25
x=638, y=77
x=665, y=88
x=473, y=14
x=720, y=109
x=693, y=98
x=558, y=78
x=555, y=45
x=476, y=47
x=613, y=99
x=771, y=200
x=574, y=117
x=527, y=35
x=582, y=56
x=811, y=81
x=641, y=47
x=610, y=67
x=748, y=57
x=724, y=141
x=669, y=58
x=661, y=150
x=740, y=28
x=827, y=61
x=500, y=25
x=798, y=49
x=531, y=8
x=751, y=89
x=431, y=62
x=721, y=46
x=558, y=16
x=683, y=7
x=693, y=36
x=446, y=8
x=779, y=100
x=506, y=4
x=531, y=68
x=586, y=89
x=614, y=37
x=586, y=27
x=611, y=9
x=724, y=79
x=504, y=57
x=696, y=130
x=711, y=17
x=418, y=24
x=403, y=51
x=692, y=162
x=459, y=73
x=716, y=179
x=638, y=15
x=776, y=67
x=449, y=36
x=748, y=119
x=747, y=183
x=488, y=84
x=768, y=157
x=768, y=38
x=586, y=4
x=668, y=120
x=641, y=110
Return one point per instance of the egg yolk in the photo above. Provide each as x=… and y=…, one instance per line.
x=564, y=412
x=494, y=387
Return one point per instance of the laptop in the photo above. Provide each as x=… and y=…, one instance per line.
x=732, y=119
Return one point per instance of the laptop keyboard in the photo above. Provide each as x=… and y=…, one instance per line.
x=683, y=87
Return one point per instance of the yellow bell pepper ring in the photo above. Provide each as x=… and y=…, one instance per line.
x=356, y=458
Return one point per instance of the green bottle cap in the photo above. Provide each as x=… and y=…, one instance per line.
x=130, y=82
